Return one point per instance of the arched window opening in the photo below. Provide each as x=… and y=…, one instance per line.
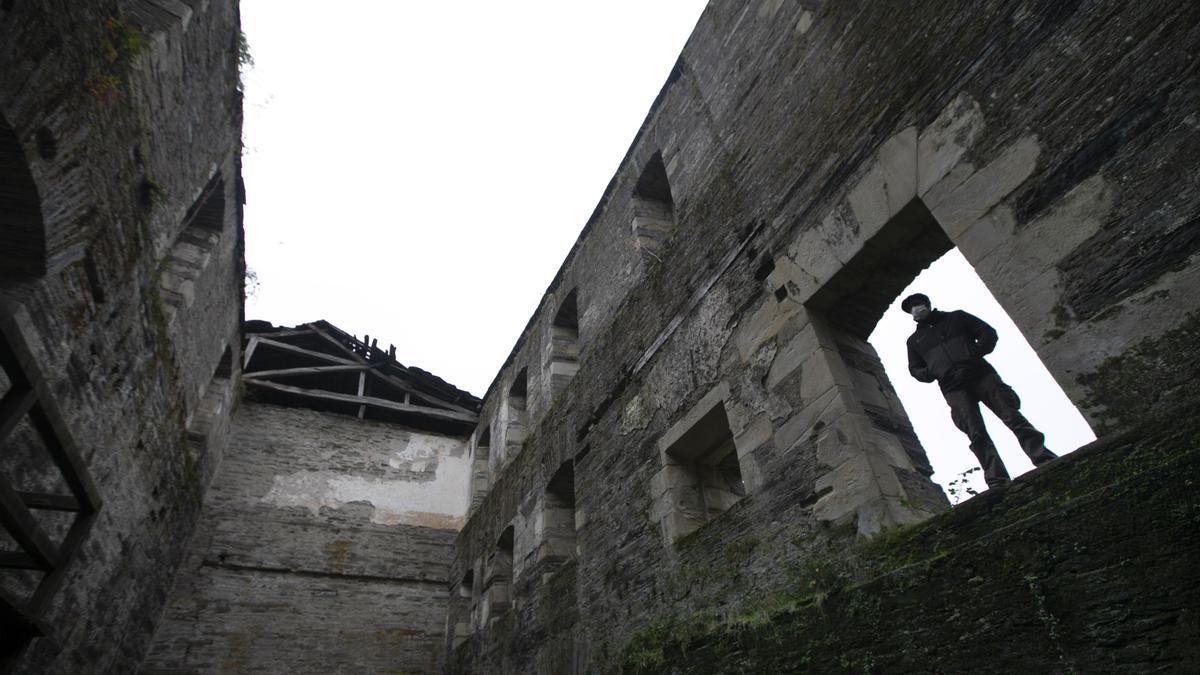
x=516, y=416
x=557, y=542
x=22, y=231
x=497, y=582
x=467, y=624
x=653, y=207
x=193, y=248
x=480, y=467
x=562, y=350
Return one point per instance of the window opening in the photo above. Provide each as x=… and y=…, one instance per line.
x=952, y=283
x=497, y=583
x=515, y=416
x=481, y=475
x=558, y=542
x=193, y=248
x=653, y=207
x=562, y=352
x=22, y=232
x=847, y=309
x=465, y=627
x=701, y=476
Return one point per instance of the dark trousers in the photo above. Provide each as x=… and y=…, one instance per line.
x=991, y=391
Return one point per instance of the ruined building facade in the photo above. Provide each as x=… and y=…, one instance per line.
x=691, y=461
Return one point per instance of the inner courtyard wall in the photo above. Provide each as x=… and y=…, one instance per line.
x=324, y=546
x=124, y=113
x=1049, y=142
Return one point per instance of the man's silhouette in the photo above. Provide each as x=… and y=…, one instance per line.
x=949, y=347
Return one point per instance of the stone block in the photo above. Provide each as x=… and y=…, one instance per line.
x=823, y=370
x=755, y=434
x=986, y=235
x=787, y=273
x=827, y=407
x=943, y=143
x=715, y=397
x=717, y=500
x=791, y=355
x=987, y=187
x=813, y=254
x=676, y=524
x=763, y=325
x=671, y=476
x=888, y=185
x=849, y=486
x=948, y=184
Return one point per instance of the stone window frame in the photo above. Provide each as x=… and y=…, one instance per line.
x=496, y=591
x=653, y=205
x=514, y=419
x=563, y=348
x=556, y=527
x=467, y=589
x=480, y=453
x=679, y=488
x=190, y=254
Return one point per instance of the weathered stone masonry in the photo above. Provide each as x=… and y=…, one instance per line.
x=691, y=461
x=816, y=157
x=122, y=124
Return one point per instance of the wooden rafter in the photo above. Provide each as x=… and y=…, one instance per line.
x=334, y=341
x=394, y=381
x=266, y=342
x=313, y=329
x=436, y=413
x=311, y=370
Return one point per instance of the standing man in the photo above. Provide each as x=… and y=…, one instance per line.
x=949, y=347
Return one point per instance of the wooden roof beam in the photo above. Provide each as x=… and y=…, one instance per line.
x=265, y=342
x=312, y=370
x=435, y=413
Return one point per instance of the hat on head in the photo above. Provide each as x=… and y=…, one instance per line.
x=914, y=300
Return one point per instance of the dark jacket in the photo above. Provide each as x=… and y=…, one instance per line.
x=949, y=347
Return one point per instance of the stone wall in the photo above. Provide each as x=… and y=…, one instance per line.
x=324, y=546
x=121, y=115
x=816, y=157
x=1026, y=580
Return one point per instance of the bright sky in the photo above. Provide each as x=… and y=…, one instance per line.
x=417, y=171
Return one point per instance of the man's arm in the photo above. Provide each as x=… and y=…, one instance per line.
x=985, y=335
x=916, y=365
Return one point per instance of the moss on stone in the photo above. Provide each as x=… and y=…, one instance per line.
x=866, y=585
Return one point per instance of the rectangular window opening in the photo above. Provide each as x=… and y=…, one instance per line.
x=701, y=476
x=861, y=306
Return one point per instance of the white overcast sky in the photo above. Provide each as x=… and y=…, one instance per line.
x=417, y=171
